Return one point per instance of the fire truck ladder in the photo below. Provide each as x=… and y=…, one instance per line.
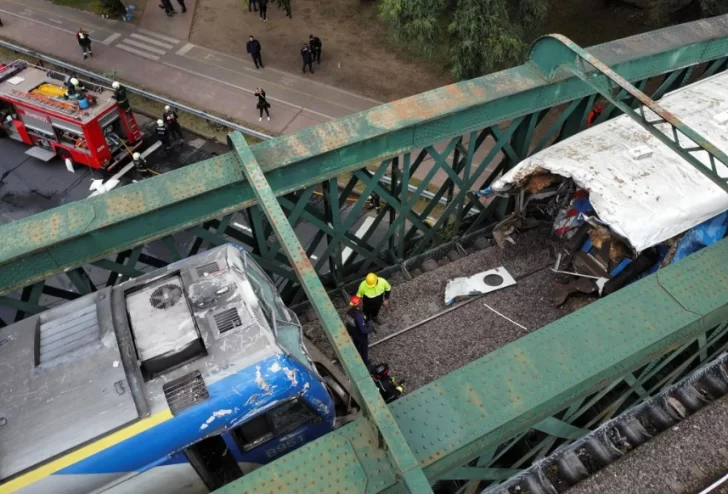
x=555, y=51
x=11, y=69
x=46, y=102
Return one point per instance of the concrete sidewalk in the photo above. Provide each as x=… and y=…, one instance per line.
x=170, y=66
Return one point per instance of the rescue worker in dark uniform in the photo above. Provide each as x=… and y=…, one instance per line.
x=359, y=330
x=170, y=119
x=140, y=166
x=307, y=58
x=254, y=48
x=121, y=97
x=375, y=291
x=315, y=45
x=163, y=133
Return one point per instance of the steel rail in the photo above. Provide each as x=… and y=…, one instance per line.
x=134, y=90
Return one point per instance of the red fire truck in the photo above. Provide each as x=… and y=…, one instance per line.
x=91, y=130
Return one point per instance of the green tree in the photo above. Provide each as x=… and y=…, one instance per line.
x=480, y=35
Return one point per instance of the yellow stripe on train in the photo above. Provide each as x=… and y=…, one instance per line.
x=84, y=452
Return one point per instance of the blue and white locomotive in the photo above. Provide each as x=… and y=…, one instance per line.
x=178, y=381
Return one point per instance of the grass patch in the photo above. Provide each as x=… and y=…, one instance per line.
x=94, y=6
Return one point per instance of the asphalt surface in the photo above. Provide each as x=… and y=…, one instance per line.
x=446, y=343
x=684, y=459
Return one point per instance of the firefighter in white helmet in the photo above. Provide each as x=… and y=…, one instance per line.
x=163, y=133
x=120, y=96
x=170, y=119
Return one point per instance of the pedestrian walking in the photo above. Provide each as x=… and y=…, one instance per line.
x=315, y=45
x=286, y=4
x=120, y=96
x=252, y=6
x=182, y=4
x=163, y=133
x=84, y=41
x=170, y=120
x=254, y=49
x=358, y=328
x=375, y=291
x=263, y=104
x=307, y=58
x=263, y=4
x=166, y=5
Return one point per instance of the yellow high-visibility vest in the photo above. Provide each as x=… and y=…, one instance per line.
x=381, y=286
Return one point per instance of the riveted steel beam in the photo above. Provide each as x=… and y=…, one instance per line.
x=552, y=52
x=401, y=457
x=75, y=234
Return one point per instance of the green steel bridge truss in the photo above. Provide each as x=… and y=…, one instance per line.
x=497, y=414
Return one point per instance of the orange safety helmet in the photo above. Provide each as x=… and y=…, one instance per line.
x=355, y=301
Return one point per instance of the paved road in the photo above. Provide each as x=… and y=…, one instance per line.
x=173, y=67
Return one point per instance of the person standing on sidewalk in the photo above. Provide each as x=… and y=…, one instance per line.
x=262, y=103
x=263, y=5
x=182, y=4
x=254, y=49
x=170, y=119
x=84, y=42
x=252, y=5
x=315, y=45
x=166, y=5
x=307, y=58
x=286, y=4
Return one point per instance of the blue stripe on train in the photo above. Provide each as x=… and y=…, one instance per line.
x=233, y=400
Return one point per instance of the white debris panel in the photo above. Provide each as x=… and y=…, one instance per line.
x=478, y=284
x=643, y=190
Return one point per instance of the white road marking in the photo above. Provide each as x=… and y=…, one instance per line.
x=152, y=41
x=39, y=22
x=210, y=56
x=246, y=90
x=157, y=35
x=368, y=221
x=138, y=52
x=314, y=257
x=55, y=20
x=142, y=46
x=239, y=225
x=185, y=49
x=111, y=38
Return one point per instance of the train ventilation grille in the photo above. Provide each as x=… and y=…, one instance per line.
x=208, y=269
x=165, y=296
x=227, y=320
x=185, y=392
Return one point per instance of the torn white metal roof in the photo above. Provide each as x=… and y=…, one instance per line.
x=644, y=191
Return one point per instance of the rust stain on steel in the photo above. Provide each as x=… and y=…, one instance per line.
x=122, y=205
x=427, y=106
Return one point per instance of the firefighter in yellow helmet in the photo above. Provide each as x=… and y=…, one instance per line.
x=375, y=291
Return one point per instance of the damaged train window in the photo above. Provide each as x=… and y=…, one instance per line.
x=281, y=420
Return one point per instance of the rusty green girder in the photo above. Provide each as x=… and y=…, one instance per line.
x=484, y=409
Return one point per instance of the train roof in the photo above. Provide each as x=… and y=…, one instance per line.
x=84, y=369
x=638, y=186
x=18, y=79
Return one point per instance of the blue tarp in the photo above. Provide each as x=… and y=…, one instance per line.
x=706, y=233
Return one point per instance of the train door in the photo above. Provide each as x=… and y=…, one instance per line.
x=213, y=461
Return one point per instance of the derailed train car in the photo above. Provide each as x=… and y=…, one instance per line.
x=178, y=381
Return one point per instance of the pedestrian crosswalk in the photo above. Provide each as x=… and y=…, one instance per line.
x=149, y=45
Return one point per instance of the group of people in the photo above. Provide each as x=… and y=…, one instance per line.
x=311, y=52
x=262, y=7
x=168, y=128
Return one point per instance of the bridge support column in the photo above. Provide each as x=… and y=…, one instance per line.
x=402, y=460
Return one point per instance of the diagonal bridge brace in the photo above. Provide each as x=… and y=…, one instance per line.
x=551, y=52
x=403, y=462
